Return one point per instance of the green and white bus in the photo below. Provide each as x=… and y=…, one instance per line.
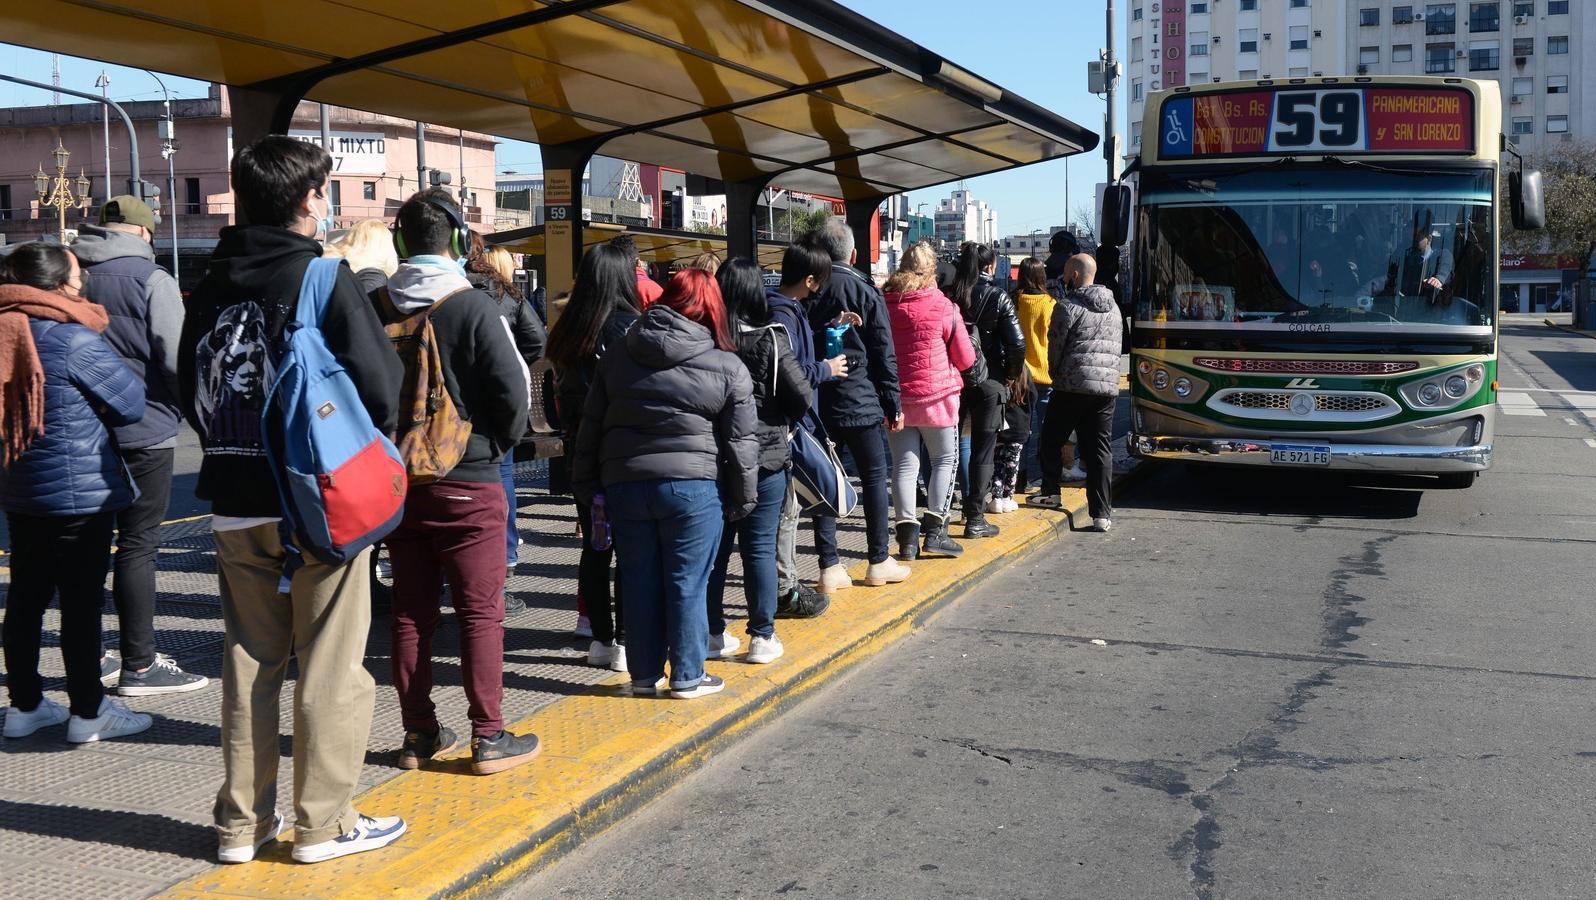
x=1314, y=275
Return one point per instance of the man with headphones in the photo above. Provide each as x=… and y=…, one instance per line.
x=454, y=526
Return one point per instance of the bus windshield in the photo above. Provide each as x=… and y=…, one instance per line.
x=1304, y=248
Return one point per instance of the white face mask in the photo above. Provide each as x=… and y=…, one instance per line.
x=324, y=222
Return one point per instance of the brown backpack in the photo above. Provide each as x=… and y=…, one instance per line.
x=432, y=434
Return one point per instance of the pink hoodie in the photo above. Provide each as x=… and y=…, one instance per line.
x=933, y=348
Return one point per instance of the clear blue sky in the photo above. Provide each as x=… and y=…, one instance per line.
x=1036, y=48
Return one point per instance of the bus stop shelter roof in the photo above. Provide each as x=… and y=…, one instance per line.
x=804, y=94
x=654, y=245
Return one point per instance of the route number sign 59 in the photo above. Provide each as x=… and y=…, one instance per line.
x=1307, y=121
x=1318, y=121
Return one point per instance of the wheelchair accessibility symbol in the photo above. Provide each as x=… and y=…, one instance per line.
x=1175, y=138
x=1175, y=134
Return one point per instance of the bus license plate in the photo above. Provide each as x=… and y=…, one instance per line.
x=1299, y=455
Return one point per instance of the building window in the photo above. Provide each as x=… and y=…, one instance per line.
x=337, y=198
x=1299, y=4
x=1136, y=49
x=1523, y=7
x=1401, y=15
x=1136, y=14
x=1247, y=41
x=1249, y=5
x=1557, y=7
x=1198, y=49
x=1298, y=72
x=1401, y=53
x=1299, y=37
x=1486, y=58
x=191, y=192
x=1136, y=91
x=5, y=201
x=1438, y=58
x=368, y=190
x=1369, y=17
x=1368, y=56
x=1557, y=124
x=1485, y=16
x=1557, y=84
x=1523, y=125
x=1523, y=87
x=1523, y=46
x=1556, y=46
x=1198, y=9
x=1440, y=18
x=1248, y=75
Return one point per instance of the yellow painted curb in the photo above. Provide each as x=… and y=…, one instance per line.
x=607, y=753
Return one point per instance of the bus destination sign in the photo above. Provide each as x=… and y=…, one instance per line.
x=1328, y=120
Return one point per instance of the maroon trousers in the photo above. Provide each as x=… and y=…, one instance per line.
x=453, y=528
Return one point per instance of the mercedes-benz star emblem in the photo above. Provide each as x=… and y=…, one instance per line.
x=1302, y=404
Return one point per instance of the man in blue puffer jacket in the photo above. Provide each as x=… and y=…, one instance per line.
x=62, y=484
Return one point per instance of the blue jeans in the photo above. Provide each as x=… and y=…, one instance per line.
x=1028, y=463
x=756, y=536
x=873, y=464
x=666, y=532
x=511, y=535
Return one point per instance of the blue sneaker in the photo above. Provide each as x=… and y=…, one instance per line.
x=368, y=834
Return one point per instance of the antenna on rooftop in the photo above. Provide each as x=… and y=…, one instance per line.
x=55, y=78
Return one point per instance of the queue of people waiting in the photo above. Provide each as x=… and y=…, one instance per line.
x=679, y=404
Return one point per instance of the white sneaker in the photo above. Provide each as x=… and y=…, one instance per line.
x=20, y=724
x=764, y=649
x=114, y=721
x=1075, y=473
x=1011, y=505
x=368, y=834
x=994, y=506
x=1102, y=524
x=835, y=578
x=888, y=572
x=723, y=645
x=584, y=628
x=600, y=654
x=618, y=657
x=384, y=573
x=247, y=852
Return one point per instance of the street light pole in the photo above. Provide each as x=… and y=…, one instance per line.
x=104, y=84
x=1110, y=79
x=168, y=150
x=58, y=194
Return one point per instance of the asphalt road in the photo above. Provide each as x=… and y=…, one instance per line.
x=1307, y=687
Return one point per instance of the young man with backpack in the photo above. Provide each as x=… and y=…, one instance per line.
x=458, y=349
x=231, y=348
x=146, y=321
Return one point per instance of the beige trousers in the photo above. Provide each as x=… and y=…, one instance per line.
x=323, y=624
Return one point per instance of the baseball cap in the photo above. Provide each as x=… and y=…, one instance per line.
x=128, y=210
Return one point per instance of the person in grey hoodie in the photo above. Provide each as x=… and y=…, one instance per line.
x=146, y=324
x=1083, y=345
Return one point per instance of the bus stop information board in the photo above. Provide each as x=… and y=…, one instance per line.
x=1330, y=120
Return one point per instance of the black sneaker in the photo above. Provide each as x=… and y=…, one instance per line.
x=513, y=604
x=162, y=677
x=976, y=526
x=502, y=751
x=804, y=602
x=420, y=747
x=707, y=685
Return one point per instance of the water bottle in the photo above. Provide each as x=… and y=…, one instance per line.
x=599, y=538
x=834, y=335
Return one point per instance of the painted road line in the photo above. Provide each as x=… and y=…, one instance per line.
x=1518, y=404
x=1590, y=442
x=1541, y=390
x=1569, y=421
x=607, y=753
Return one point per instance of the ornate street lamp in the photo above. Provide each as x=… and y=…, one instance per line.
x=59, y=194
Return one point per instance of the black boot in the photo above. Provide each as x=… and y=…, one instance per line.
x=976, y=526
x=908, y=541
x=936, y=543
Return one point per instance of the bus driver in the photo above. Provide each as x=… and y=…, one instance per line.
x=1422, y=267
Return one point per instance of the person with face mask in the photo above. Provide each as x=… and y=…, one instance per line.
x=226, y=364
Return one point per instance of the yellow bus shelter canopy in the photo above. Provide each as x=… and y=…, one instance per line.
x=804, y=93
x=654, y=245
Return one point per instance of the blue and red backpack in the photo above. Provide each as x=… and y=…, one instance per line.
x=342, y=482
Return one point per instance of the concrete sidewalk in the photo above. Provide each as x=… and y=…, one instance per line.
x=130, y=818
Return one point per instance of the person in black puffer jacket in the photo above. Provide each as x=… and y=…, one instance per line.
x=995, y=327
x=781, y=397
x=603, y=305
x=668, y=439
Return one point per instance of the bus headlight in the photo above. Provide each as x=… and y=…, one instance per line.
x=1183, y=387
x=1474, y=373
x=1144, y=367
x=1456, y=387
x=1430, y=393
x=1160, y=379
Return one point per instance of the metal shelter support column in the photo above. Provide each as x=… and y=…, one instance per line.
x=862, y=215
x=563, y=165
x=742, y=230
x=255, y=114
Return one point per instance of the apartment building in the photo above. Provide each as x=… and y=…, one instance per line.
x=1533, y=48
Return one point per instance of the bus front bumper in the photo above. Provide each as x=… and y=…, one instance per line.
x=1342, y=456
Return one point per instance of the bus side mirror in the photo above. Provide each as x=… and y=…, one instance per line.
x=1529, y=201
x=1115, y=229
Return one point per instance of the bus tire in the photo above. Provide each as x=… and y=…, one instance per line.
x=1458, y=481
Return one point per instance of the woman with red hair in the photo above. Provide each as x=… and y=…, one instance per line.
x=668, y=448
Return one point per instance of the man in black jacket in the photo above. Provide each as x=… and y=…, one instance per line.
x=234, y=322
x=455, y=525
x=858, y=408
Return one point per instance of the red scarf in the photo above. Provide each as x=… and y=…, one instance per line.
x=21, y=372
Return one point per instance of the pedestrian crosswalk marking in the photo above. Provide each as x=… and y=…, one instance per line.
x=1516, y=404
x=1590, y=442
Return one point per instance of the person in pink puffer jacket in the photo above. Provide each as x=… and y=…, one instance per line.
x=933, y=347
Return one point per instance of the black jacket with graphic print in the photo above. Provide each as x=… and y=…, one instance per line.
x=226, y=355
